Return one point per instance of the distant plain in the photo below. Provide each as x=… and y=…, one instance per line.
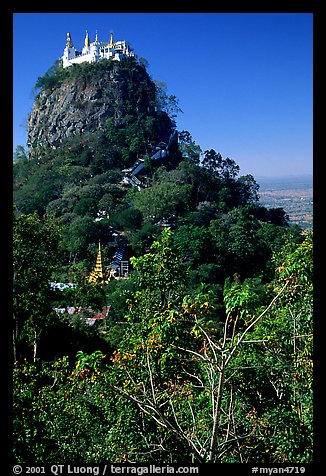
x=292, y=193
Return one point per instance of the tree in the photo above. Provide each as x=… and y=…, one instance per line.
x=35, y=255
x=188, y=148
x=188, y=381
x=246, y=190
x=226, y=169
x=195, y=378
x=278, y=363
x=229, y=169
x=59, y=411
x=142, y=239
x=162, y=200
x=193, y=244
x=20, y=154
x=81, y=237
x=212, y=160
x=80, y=233
x=128, y=219
x=52, y=76
x=243, y=242
x=167, y=103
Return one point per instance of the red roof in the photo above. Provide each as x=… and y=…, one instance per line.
x=103, y=314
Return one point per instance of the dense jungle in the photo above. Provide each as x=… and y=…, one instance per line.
x=160, y=315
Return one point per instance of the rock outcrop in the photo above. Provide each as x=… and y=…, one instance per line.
x=82, y=103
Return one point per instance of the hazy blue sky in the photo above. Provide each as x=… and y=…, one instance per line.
x=243, y=80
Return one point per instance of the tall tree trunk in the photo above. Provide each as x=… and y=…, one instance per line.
x=216, y=421
x=34, y=346
x=14, y=336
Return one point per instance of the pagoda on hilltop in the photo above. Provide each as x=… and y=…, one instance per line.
x=95, y=51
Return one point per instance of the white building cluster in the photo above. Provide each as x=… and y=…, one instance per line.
x=95, y=51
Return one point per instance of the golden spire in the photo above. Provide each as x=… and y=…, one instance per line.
x=111, y=44
x=86, y=45
x=69, y=41
x=96, y=38
x=97, y=275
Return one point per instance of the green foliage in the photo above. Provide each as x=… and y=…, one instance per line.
x=277, y=360
x=162, y=200
x=85, y=71
x=167, y=103
x=51, y=78
x=141, y=240
x=194, y=244
x=64, y=411
x=225, y=168
x=20, y=154
x=160, y=271
x=89, y=362
x=297, y=267
x=127, y=219
x=206, y=354
x=177, y=371
x=35, y=255
x=250, y=364
x=188, y=147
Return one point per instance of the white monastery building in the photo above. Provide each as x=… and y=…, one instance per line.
x=94, y=52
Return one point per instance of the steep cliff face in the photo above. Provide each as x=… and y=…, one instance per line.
x=82, y=101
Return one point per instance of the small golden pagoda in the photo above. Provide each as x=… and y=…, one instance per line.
x=69, y=41
x=98, y=275
x=87, y=41
x=111, y=44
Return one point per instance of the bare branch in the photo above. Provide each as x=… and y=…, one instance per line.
x=151, y=377
x=254, y=322
x=209, y=338
x=200, y=356
x=183, y=436
x=195, y=377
